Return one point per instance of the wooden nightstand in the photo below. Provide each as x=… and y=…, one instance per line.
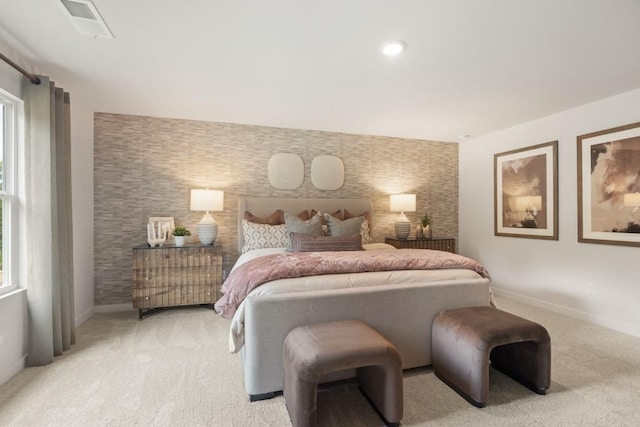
x=170, y=276
x=438, y=243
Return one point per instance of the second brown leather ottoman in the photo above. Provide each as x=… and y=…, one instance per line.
x=466, y=340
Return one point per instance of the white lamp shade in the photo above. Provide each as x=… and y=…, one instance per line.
x=402, y=203
x=207, y=200
x=632, y=199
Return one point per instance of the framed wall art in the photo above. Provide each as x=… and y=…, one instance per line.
x=526, y=192
x=609, y=186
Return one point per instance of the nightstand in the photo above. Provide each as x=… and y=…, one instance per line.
x=169, y=276
x=437, y=243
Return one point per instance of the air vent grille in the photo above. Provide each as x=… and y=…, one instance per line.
x=78, y=10
x=86, y=18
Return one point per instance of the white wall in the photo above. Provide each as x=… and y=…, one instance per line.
x=13, y=334
x=82, y=193
x=552, y=274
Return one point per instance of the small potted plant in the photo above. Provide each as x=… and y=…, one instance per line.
x=180, y=233
x=425, y=220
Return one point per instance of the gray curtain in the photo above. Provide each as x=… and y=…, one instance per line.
x=47, y=211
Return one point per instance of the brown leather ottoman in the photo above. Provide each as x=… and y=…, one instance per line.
x=466, y=340
x=315, y=350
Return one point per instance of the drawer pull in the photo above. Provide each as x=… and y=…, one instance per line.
x=146, y=298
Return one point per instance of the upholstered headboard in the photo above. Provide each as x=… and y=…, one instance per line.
x=263, y=206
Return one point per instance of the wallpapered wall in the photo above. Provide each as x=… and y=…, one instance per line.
x=146, y=166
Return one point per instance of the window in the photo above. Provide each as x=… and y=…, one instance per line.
x=10, y=108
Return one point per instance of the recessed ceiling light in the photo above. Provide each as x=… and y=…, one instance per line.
x=393, y=48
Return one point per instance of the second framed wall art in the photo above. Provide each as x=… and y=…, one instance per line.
x=609, y=186
x=526, y=192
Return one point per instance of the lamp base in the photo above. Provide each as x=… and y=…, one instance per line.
x=402, y=226
x=207, y=229
x=402, y=229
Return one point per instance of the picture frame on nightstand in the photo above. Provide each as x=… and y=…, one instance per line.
x=164, y=221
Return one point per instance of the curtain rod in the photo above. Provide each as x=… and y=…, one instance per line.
x=32, y=78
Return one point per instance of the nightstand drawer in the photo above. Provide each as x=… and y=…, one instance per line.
x=166, y=296
x=439, y=243
x=174, y=257
x=153, y=277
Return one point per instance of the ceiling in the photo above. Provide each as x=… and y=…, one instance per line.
x=471, y=67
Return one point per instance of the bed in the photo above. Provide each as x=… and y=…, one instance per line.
x=399, y=301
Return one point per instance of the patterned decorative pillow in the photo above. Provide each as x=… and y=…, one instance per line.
x=259, y=236
x=306, y=243
x=293, y=224
x=348, y=227
x=366, y=230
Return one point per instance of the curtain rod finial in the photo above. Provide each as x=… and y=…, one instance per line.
x=35, y=80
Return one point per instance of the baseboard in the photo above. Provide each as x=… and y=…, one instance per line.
x=110, y=308
x=13, y=370
x=616, y=325
x=83, y=317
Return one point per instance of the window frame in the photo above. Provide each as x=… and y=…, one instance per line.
x=12, y=116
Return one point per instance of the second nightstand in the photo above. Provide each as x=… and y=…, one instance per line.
x=438, y=243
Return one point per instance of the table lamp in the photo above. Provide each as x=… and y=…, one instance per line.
x=207, y=200
x=402, y=203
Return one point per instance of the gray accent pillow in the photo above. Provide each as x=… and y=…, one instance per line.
x=348, y=227
x=313, y=227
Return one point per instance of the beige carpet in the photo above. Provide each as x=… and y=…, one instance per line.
x=174, y=369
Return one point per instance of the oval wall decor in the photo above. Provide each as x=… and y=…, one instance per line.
x=327, y=172
x=286, y=171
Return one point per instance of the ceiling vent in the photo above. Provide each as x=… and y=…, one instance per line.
x=85, y=17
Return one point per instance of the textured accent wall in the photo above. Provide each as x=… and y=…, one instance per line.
x=145, y=166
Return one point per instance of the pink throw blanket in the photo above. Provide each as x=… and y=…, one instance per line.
x=248, y=276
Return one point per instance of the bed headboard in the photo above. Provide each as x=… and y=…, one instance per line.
x=263, y=206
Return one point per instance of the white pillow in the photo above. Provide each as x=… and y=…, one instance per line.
x=377, y=246
x=259, y=236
